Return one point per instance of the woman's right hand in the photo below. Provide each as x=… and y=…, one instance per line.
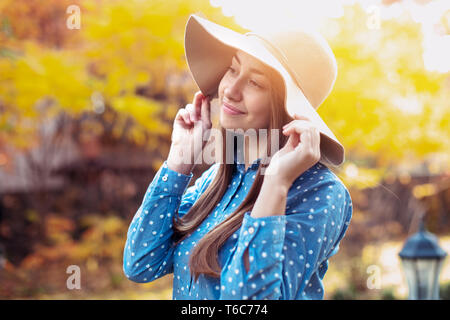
x=190, y=134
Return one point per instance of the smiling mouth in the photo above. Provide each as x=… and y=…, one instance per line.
x=231, y=110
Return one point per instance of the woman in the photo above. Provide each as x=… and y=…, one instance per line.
x=237, y=233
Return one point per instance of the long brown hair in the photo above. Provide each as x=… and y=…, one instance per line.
x=204, y=257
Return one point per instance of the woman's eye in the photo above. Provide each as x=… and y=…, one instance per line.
x=254, y=83
x=232, y=69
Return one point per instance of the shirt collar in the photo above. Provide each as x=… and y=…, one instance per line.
x=239, y=158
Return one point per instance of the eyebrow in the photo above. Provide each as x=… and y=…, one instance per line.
x=251, y=69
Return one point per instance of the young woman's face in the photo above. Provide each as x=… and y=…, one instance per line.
x=246, y=88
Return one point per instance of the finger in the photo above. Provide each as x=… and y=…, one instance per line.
x=179, y=115
x=305, y=139
x=301, y=117
x=304, y=133
x=184, y=114
x=191, y=111
x=206, y=110
x=198, y=99
x=187, y=117
x=317, y=140
x=297, y=125
x=293, y=140
x=297, y=122
x=288, y=124
x=309, y=140
x=313, y=139
x=297, y=117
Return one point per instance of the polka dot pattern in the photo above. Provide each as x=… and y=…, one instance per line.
x=288, y=252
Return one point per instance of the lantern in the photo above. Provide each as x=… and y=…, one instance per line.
x=422, y=260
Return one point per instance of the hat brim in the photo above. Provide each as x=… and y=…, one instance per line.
x=209, y=49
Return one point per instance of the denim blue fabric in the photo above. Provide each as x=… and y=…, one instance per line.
x=288, y=253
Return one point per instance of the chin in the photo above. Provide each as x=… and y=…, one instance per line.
x=228, y=122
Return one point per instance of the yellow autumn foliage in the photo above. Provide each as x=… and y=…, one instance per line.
x=386, y=108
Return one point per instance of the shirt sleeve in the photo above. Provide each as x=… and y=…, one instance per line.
x=285, y=250
x=148, y=251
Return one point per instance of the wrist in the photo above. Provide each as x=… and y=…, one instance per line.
x=275, y=183
x=182, y=168
x=271, y=200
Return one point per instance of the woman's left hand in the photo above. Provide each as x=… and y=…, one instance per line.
x=301, y=152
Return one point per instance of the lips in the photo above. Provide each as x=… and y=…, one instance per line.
x=232, y=108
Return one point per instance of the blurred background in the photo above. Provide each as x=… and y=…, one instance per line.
x=88, y=93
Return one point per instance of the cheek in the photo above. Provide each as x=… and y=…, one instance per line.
x=219, y=89
x=221, y=86
x=260, y=110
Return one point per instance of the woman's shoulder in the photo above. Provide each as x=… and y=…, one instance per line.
x=319, y=191
x=317, y=180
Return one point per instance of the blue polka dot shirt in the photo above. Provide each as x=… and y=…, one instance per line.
x=288, y=254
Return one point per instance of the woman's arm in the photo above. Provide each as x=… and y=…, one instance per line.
x=148, y=252
x=285, y=250
x=271, y=200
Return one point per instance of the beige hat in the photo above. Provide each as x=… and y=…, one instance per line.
x=302, y=58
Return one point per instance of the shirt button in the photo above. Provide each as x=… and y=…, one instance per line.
x=251, y=230
x=164, y=178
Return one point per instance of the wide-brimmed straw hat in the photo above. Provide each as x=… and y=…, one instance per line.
x=302, y=57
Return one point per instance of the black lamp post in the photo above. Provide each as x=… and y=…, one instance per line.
x=422, y=260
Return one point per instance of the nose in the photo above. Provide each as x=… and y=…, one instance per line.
x=233, y=90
